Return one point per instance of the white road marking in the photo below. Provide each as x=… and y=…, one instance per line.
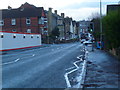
x=67, y=80
x=76, y=64
x=33, y=55
x=79, y=57
x=81, y=78
x=17, y=60
x=11, y=62
x=66, y=74
x=69, y=68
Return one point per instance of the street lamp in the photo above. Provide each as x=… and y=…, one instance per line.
x=101, y=23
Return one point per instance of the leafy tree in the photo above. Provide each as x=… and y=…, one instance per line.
x=54, y=34
x=111, y=26
x=96, y=32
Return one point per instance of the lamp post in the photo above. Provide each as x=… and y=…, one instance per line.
x=101, y=23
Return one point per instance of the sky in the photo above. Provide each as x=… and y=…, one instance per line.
x=77, y=9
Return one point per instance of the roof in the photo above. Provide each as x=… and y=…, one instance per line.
x=67, y=20
x=22, y=11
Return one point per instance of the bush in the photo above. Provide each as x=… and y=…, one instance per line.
x=111, y=26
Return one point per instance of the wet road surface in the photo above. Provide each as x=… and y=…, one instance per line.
x=39, y=68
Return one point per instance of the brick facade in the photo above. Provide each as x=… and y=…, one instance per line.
x=20, y=19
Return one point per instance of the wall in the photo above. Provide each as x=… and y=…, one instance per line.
x=8, y=42
x=21, y=25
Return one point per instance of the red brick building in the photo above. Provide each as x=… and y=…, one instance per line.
x=26, y=19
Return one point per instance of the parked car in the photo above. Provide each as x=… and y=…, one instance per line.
x=88, y=42
x=83, y=40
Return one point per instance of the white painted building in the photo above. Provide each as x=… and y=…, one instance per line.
x=71, y=30
x=13, y=41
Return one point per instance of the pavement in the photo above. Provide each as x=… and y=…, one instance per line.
x=102, y=70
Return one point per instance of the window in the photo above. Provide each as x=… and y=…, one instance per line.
x=37, y=36
x=1, y=22
x=28, y=30
x=24, y=36
x=1, y=36
x=13, y=21
x=28, y=21
x=14, y=36
x=41, y=20
x=32, y=36
x=13, y=30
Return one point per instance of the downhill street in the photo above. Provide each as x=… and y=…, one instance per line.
x=42, y=67
x=46, y=67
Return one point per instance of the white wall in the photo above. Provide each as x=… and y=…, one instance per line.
x=71, y=30
x=8, y=42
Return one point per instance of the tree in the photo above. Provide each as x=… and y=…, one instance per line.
x=54, y=34
x=111, y=26
x=96, y=32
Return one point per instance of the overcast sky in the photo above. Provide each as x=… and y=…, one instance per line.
x=77, y=9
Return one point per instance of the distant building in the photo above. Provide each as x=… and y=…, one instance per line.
x=60, y=25
x=84, y=26
x=115, y=7
x=74, y=29
x=68, y=27
x=52, y=20
x=77, y=32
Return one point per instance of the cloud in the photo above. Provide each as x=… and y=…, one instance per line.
x=80, y=14
x=77, y=9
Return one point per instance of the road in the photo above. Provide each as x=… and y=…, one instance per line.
x=42, y=67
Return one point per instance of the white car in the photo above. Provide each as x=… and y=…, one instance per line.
x=87, y=42
x=83, y=40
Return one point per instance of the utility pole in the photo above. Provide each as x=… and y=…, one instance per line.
x=101, y=23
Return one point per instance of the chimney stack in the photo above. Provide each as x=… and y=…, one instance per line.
x=62, y=15
x=55, y=12
x=50, y=9
x=9, y=8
